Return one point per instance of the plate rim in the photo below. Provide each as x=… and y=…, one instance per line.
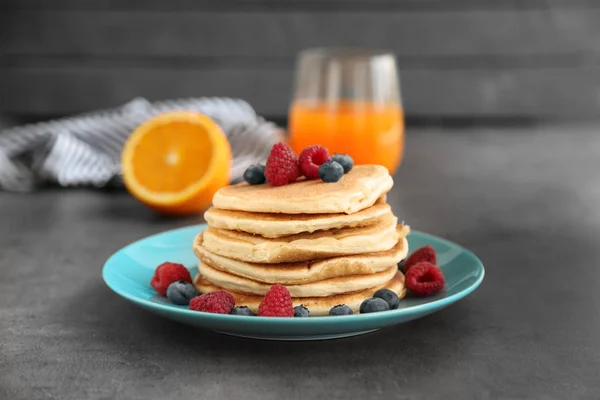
x=420, y=308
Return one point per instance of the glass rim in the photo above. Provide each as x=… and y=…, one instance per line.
x=346, y=52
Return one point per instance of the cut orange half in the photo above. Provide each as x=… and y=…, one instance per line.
x=175, y=162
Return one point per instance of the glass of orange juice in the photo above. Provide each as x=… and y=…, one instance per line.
x=348, y=100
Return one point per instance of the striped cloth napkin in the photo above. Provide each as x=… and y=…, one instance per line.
x=85, y=150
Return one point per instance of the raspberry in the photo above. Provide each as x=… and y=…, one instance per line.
x=167, y=273
x=311, y=159
x=424, y=254
x=217, y=302
x=424, y=279
x=282, y=165
x=277, y=303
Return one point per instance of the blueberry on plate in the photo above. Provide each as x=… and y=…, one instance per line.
x=331, y=171
x=344, y=160
x=390, y=297
x=301, y=311
x=242, y=310
x=340, y=309
x=374, y=304
x=255, y=174
x=181, y=292
x=401, y=263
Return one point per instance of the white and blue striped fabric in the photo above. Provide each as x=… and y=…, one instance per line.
x=85, y=150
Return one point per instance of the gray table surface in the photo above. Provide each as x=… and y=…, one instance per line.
x=524, y=199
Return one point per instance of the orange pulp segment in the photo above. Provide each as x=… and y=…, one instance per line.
x=175, y=162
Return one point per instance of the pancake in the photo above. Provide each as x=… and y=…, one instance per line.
x=358, y=189
x=306, y=271
x=278, y=225
x=327, y=287
x=317, y=305
x=305, y=246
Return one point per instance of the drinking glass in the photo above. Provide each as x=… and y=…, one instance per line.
x=348, y=100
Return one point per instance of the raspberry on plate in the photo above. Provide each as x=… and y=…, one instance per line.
x=311, y=159
x=282, y=165
x=217, y=302
x=167, y=273
x=277, y=303
x=423, y=254
x=424, y=279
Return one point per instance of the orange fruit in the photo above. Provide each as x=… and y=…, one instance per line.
x=176, y=161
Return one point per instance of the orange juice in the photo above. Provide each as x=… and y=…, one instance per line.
x=369, y=132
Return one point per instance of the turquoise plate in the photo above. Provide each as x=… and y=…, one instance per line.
x=128, y=273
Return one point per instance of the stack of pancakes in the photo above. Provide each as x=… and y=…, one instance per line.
x=328, y=243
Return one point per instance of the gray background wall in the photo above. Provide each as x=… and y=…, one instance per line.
x=461, y=58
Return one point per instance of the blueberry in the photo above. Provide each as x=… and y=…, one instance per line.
x=390, y=297
x=340, y=309
x=374, y=305
x=331, y=171
x=344, y=160
x=242, y=310
x=181, y=292
x=401, y=265
x=301, y=311
x=255, y=174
